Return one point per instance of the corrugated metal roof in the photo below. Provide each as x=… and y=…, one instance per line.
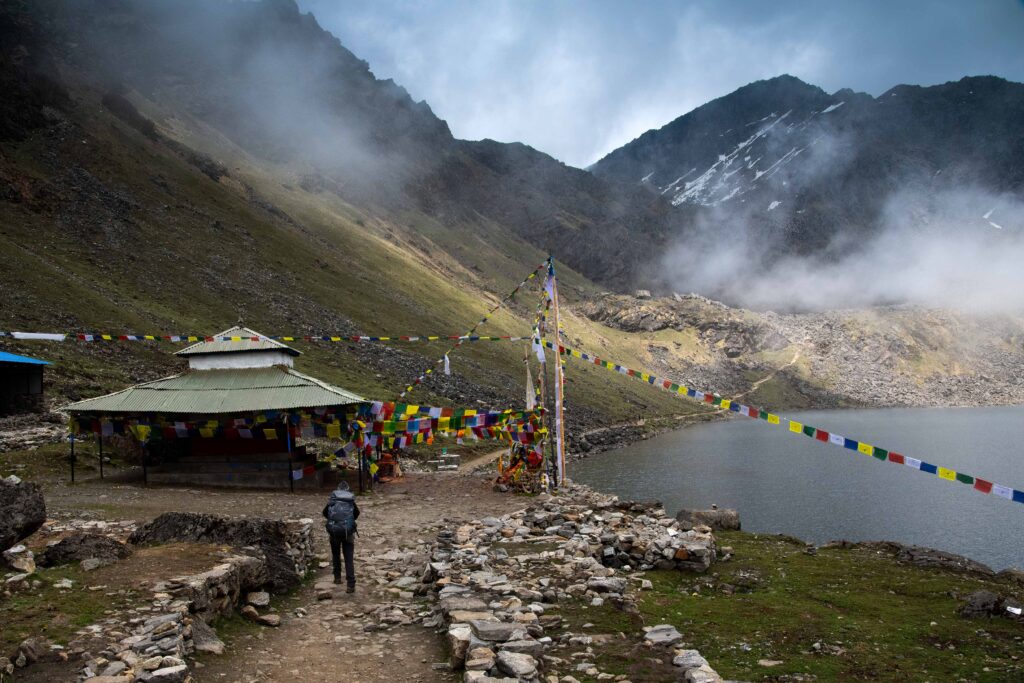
x=212, y=392
x=14, y=358
x=262, y=344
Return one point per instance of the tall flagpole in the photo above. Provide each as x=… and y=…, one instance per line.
x=559, y=397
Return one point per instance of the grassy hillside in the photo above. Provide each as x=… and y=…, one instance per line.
x=115, y=230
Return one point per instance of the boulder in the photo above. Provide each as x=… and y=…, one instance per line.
x=718, y=520
x=20, y=559
x=22, y=510
x=205, y=638
x=981, y=604
x=272, y=537
x=517, y=664
x=663, y=634
x=81, y=546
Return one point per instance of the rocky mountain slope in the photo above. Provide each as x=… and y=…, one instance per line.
x=178, y=166
x=810, y=172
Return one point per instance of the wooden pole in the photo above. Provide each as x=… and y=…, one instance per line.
x=361, y=471
x=559, y=417
x=72, y=458
x=99, y=441
x=288, y=440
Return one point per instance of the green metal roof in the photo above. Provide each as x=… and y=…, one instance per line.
x=245, y=344
x=213, y=392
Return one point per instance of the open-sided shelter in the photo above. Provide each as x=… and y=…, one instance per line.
x=236, y=417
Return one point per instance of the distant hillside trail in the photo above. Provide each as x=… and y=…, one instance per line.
x=758, y=383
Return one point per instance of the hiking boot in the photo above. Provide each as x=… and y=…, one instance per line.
x=350, y=589
x=337, y=579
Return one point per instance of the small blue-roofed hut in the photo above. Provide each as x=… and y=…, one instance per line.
x=21, y=383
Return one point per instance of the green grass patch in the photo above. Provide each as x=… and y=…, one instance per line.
x=56, y=613
x=872, y=618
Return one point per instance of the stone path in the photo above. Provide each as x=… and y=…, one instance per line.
x=374, y=634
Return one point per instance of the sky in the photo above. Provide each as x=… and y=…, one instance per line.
x=579, y=78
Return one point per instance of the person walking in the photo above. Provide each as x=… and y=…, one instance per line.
x=341, y=513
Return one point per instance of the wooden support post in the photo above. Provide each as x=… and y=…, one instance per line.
x=291, y=474
x=559, y=397
x=360, y=470
x=72, y=458
x=99, y=440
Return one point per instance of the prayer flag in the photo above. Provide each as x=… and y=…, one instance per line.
x=206, y=433
x=881, y=453
x=296, y=474
x=865, y=448
x=245, y=433
x=795, y=427
x=837, y=439
x=773, y=419
x=821, y=435
x=964, y=478
x=726, y=403
x=1002, y=491
x=270, y=434
x=929, y=468
x=333, y=431
x=850, y=444
x=809, y=431
x=896, y=458
x=912, y=462
x=447, y=365
x=982, y=485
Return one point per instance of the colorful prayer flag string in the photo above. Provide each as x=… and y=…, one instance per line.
x=795, y=427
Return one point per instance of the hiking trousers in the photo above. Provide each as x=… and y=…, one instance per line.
x=340, y=544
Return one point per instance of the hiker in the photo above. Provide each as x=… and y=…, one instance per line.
x=342, y=512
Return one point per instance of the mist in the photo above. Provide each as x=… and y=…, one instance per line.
x=960, y=249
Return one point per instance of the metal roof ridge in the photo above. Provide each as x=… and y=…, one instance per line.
x=236, y=331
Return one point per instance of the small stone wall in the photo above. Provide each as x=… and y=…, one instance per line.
x=493, y=591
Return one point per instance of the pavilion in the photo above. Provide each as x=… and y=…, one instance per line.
x=236, y=417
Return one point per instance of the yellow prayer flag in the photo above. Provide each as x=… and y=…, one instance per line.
x=866, y=448
x=681, y=390
x=644, y=376
x=270, y=434
x=333, y=431
x=335, y=339
x=726, y=403
x=947, y=474
x=443, y=423
x=212, y=424
x=206, y=433
x=142, y=432
x=149, y=337
x=470, y=412
x=773, y=419
x=796, y=427
x=412, y=410
x=260, y=417
x=106, y=337
x=373, y=468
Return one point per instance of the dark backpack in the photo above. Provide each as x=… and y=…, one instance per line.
x=341, y=518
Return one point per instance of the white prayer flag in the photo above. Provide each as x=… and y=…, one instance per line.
x=447, y=365
x=912, y=462
x=38, y=335
x=837, y=439
x=1002, y=491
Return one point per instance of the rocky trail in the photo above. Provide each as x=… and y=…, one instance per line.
x=324, y=633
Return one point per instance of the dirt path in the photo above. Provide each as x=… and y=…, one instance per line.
x=471, y=464
x=328, y=642
x=758, y=383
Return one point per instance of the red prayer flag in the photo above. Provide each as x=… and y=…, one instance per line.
x=896, y=458
x=982, y=485
x=821, y=435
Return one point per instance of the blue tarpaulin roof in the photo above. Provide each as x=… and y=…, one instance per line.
x=12, y=358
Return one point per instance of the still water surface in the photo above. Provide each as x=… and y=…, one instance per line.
x=784, y=483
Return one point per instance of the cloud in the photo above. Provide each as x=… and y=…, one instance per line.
x=577, y=79
x=959, y=248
